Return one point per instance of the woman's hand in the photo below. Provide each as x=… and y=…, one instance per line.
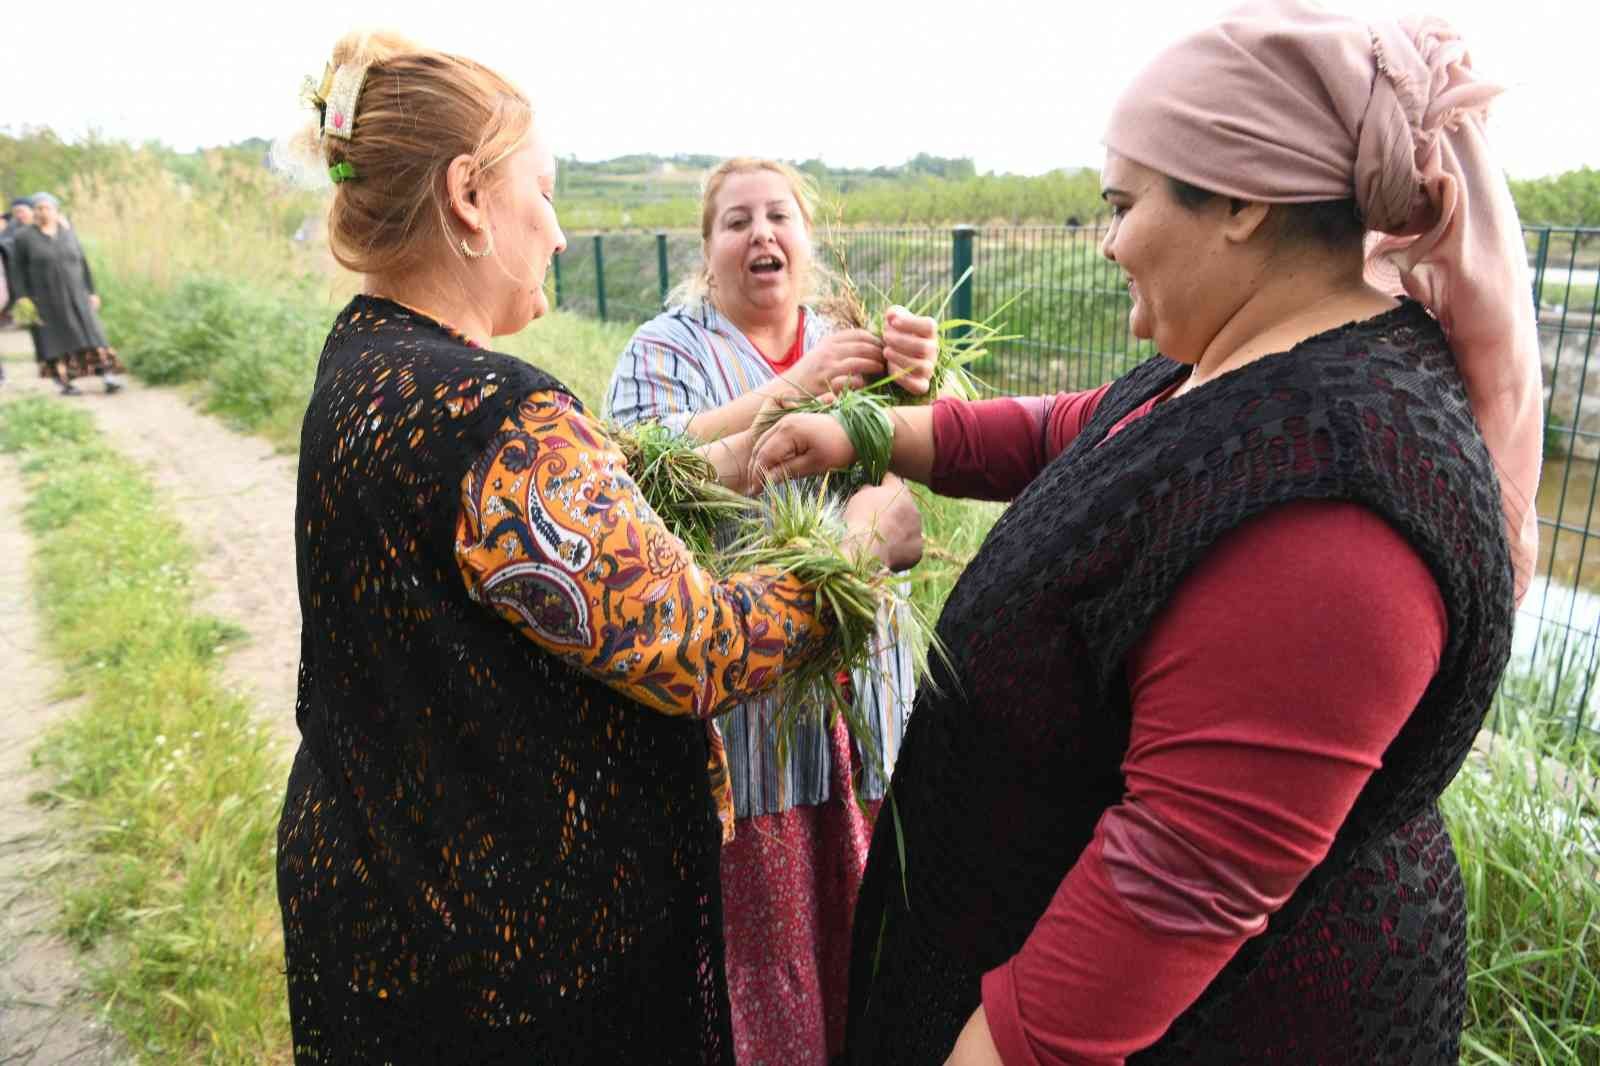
x=801, y=445
x=885, y=519
x=94, y=301
x=910, y=345
x=975, y=1047
x=847, y=359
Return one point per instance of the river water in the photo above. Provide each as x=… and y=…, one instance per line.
x=1557, y=277
x=1560, y=615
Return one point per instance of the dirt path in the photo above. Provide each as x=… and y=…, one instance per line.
x=44, y=1019
x=235, y=499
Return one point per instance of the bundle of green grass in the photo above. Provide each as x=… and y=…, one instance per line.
x=961, y=341
x=797, y=528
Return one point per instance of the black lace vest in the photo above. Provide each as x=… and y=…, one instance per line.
x=485, y=855
x=1009, y=763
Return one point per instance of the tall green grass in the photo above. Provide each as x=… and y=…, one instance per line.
x=172, y=788
x=249, y=350
x=1523, y=818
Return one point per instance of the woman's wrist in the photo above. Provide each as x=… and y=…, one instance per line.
x=911, y=451
x=778, y=390
x=730, y=457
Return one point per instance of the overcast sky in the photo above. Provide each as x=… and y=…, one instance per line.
x=1020, y=87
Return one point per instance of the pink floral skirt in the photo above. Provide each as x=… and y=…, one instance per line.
x=789, y=885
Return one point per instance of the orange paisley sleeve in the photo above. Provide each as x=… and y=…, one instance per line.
x=555, y=536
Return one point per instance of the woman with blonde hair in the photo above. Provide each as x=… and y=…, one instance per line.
x=499, y=840
x=741, y=334
x=1176, y=800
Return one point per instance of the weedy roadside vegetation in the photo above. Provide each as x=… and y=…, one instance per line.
x=169, y=789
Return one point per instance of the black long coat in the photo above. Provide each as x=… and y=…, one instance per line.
x=8, y=237
x=53, y=272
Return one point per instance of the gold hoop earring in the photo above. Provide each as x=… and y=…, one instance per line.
x=488, y=248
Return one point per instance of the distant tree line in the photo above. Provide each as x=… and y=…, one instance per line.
x=38, y=160
x=924, y=190
x=1569, y=199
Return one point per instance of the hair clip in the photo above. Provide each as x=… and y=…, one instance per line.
x=339, y=120
x=315, y=94
x=342, y=171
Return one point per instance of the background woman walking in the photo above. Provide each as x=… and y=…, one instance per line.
x=50, y=269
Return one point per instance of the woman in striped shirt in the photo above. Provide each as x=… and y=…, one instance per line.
x=739, y=337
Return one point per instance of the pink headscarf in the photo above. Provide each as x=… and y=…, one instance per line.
x=1283, y=102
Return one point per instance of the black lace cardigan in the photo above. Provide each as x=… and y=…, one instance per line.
x=1008, y=765
x=484, y=856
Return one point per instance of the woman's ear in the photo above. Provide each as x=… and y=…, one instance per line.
x=462, y=193
x=1244, y=220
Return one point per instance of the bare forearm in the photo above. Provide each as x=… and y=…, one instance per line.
x=736, y=416
x=912, y=457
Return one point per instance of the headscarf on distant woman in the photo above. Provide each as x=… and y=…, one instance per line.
x=19, y=217
x=52, y=271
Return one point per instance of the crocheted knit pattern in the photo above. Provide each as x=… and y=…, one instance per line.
x=1009, y=763
x=485, y=856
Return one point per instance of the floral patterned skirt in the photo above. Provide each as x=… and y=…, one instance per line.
x=85, y=363
x=789, y=885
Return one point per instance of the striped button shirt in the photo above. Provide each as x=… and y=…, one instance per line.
x=690, y=359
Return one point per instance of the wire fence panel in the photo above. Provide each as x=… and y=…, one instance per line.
x=1558, y=633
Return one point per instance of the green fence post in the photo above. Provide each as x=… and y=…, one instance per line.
x=1541, y=258
x=599, y=278
x=961, y=273
x=661, y=265
x=555, y=262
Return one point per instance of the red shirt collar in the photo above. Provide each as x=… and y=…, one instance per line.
x=796, y=350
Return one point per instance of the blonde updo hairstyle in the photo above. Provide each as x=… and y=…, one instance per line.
x=418, y=110
x=698, y=287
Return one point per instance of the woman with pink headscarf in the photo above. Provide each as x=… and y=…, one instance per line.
x=1174, y=796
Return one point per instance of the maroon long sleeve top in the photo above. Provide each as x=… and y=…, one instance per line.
x=1264, y=696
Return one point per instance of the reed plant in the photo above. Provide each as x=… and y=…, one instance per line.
x=959, y=342
x=227, y=218
x=795, y=528
x=863, y=412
